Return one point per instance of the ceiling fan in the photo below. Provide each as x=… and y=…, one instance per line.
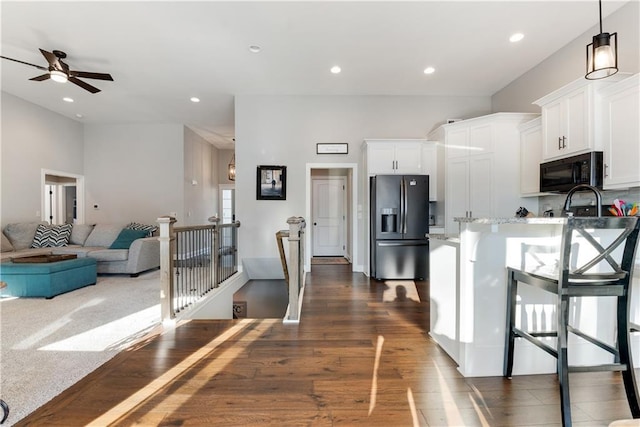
x=59, y=71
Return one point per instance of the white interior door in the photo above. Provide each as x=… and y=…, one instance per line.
x=329, y=216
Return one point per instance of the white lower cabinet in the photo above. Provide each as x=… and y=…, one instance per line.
x=483, y=168
x=621, y=134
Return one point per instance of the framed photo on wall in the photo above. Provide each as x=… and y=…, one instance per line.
x=271, y=183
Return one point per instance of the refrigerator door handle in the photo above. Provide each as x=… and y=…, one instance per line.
x=401, y=206
x=404, y=208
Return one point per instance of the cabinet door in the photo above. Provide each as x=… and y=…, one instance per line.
x=530, y=158
x=408, y=157
x=622, y=138
x=481, y=139
x=481, y=187
x=430, y=167
x=576, y=122
x=567, y=126
x=457, y=143
x=552, y=129
x=380, y=159
x=457, y=194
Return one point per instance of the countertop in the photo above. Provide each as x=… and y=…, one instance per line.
x=513, y=220
x=445, y=237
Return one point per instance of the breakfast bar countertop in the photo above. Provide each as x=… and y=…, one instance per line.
x=513, y=220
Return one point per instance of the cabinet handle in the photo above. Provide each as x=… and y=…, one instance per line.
x=606, y=170
x=559, y=143
x=564, y=140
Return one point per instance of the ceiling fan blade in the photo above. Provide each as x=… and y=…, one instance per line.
x=41, y=78
x=51, y=59
x=25, y=63
x=84, y=85
x=88, y=75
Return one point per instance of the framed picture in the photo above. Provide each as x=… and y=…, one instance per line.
x=271, y=183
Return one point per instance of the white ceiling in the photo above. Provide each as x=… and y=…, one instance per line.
x=162, y=53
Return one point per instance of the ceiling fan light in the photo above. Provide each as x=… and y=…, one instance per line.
x=58, y=76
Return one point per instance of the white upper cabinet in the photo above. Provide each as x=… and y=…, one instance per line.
x=621, y=133
x=386, y=157
x=570, y=118
x=483, y=167
x=530, y=157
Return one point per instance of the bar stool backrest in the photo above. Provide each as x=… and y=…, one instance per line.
x=607, y=249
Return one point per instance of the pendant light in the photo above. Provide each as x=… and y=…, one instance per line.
x=602, y=54
x=231, y=170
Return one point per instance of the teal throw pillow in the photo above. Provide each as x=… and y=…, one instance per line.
x=126, y=238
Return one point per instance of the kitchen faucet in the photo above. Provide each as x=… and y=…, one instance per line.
x=582, y=187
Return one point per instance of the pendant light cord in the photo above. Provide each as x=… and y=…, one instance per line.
x=600, y=6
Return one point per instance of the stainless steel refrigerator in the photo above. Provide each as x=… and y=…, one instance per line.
x=399, y=223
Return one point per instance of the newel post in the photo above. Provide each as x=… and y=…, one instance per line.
x=296, y=225
x=167, y=249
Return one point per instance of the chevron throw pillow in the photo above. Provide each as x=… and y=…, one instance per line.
x=48, y=236
x=150, y=229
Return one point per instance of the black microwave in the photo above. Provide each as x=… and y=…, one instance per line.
x=564, y=174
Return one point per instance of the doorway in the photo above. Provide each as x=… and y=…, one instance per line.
x=329, y=178
x=227, y=203
x=328, y=215
x=62, y=199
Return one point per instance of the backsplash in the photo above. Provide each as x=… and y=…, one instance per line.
x=556, y=202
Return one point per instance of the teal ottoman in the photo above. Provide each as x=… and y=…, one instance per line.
x=47, y=279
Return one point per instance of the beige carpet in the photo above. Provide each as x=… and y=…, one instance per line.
x=328, y=260
x=48, y=345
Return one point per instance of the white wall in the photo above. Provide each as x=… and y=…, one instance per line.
x=134, y=172
x=569, y=63
x=284, y=130
x=200, y=179
x=34, y=138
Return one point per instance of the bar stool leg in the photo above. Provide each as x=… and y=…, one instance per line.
x=626, y=358
x=563, y=362
x=512, y=295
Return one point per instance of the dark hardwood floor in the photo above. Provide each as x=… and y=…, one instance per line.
x=353, y=360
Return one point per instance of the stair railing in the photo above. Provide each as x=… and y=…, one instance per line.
x=194, y=261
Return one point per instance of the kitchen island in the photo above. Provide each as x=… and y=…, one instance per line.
x=468, y=297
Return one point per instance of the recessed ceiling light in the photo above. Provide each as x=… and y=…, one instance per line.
x=429, y=70
x=335, y=69
x=67, y=99
x=254, y=48
x=194, y=99
x=516, y=37
x=79, y=116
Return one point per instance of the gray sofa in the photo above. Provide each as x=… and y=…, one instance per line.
x=92, y=241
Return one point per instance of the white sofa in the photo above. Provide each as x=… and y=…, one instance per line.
x=85, y=240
